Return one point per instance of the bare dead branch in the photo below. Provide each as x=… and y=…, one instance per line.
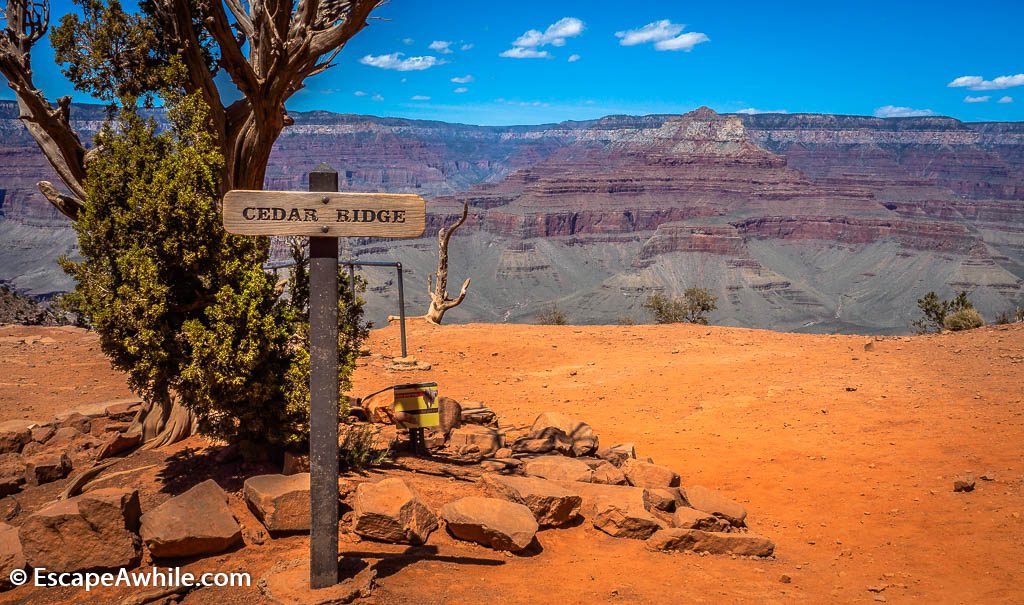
x=440, y=302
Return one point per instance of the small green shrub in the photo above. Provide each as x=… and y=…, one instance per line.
x=359, y=447
x=552, y=317
x=963, y=319
x=692, y=307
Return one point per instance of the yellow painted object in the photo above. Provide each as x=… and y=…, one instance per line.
x=416, y=405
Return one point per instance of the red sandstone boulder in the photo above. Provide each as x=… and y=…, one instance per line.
x=196, y=522
x=582, y=438
x=280, y=502
x=646, y=474
x=12, y=556
x=621, y=518
x=12, y=473
x=685, y=517
x=93, y=531
x=391, y=511
x=47, y=467
x=710, y=501
x=14, y=434
x=474, y=439
x=498, y=524
x=552, y=504
x=559, y=468
x=617, y=454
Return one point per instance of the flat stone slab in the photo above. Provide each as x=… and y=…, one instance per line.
x=733, y=543
x=499, y=524
x=287, y=583
x=196, y=522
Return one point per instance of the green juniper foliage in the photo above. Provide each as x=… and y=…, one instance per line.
x=182, y=306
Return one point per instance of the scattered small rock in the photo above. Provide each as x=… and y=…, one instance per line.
x=963, y=484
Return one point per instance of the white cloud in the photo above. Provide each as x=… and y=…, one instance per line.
x=982, y=99
x=1006, y=99
x=652, y=32
x=420, y=98
x=574, y=58
x=396, y=62
x=359, y=93
x=518, y=52
x=526, y=45
x=408, y=41
x=461, y=90
x=467, y=46
x=979, y=83
x=377, y=97
x=892, y=111
x=441, y=46
x=684, y=42
x=750, y=111
x=664, y=34
x=466, y=79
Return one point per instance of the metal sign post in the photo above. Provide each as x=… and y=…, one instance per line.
x=324, y=215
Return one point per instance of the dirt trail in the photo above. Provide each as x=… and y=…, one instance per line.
x=844, y=456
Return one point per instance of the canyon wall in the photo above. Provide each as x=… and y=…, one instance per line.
x=795, y=221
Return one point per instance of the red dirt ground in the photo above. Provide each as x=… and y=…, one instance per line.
x=844, y=456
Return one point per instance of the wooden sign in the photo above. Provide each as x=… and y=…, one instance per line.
x=324, y=214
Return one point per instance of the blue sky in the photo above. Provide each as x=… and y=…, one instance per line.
x=531, y=62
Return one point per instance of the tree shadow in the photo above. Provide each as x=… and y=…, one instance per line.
x=389, y=564
x=185, y=469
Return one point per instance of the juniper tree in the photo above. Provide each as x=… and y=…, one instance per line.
x=176, y=47
x=180, y=305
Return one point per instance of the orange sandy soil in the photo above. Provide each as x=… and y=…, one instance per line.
x=844, y=457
